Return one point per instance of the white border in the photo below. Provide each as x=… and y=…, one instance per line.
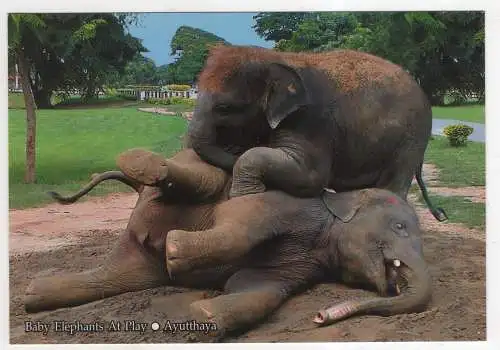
x=492, y=122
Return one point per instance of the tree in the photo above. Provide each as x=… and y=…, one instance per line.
x=191, y=45
x=322, y=31
x=100, y=47
x=140, y=71
x=21, y=25
x=165, y=74
x=78, y=51
x=276, y=26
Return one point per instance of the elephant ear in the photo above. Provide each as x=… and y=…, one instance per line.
x=285, y=93
x=344, y=205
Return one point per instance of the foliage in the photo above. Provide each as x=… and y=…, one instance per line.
x=464, y=166
x=74, y=143
x=95, y=102
x=142, y=87
x=189, y=102
x=458, y=134
x=191, y=45
x=443, y=50
x=321, y=32
x=140, y=71
x=276, y=26
x=177, y=87
x=77, y=51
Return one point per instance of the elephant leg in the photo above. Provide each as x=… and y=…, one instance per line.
x=190, y=250
x=240, y=224
x=185, y=173
x=129, y=267
x=250, y=296
x=260, y=167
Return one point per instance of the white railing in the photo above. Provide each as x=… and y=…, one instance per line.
x=162, y=95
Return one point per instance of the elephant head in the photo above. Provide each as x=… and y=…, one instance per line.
x=379, y=244
x=229, y=119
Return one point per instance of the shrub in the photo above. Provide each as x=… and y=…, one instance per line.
x=176, y=87
x=182, y=101
x=158, y=101
x=109, y=91
x=128, y=97
x=458, y=134
x=172, y=101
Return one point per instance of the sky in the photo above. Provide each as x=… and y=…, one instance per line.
x=157, y=29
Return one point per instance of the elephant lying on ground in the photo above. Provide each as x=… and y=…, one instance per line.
x=261, y=248
x=342, y=119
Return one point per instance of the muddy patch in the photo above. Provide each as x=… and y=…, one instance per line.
x=57, y=239
x=457, y=310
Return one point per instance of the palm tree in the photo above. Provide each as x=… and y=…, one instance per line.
x=19, y=25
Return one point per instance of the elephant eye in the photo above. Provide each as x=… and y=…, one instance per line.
x=400, y=229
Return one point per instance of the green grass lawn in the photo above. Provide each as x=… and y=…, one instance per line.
x=467, y=113
x=462, y=210
x=73, y=144
x=459, y=166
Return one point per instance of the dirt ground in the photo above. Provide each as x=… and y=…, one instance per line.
x=55, y=238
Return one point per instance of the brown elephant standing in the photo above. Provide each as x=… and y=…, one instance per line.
x=299, y=122
x=260, y=248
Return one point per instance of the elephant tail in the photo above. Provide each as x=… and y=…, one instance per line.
x=97, y=179
x=438, y=213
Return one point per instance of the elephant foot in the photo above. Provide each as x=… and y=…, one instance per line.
x=181, y=252
x=146, y=167
x=203, y=312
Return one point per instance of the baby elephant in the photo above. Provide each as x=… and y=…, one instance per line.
x=286, y=243
x=282, y=244
x=264, y=247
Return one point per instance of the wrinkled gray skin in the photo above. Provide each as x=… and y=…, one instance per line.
x=260, y=249
x=346, y=120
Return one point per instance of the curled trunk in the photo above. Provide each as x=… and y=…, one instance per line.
x=416, y=292
x=202, y=139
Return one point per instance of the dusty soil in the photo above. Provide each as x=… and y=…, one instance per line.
x=165, y=111
x=55, y=239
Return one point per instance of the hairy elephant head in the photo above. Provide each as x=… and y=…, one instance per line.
x=379, y=244
x=244, y=95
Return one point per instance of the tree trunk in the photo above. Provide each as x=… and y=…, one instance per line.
x=42, y=98
x=30, y=117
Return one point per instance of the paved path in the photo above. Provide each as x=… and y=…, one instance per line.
x=478, y=135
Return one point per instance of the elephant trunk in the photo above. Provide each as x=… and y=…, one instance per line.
x=127, y=269
x=413, y=286
x=203, y=139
